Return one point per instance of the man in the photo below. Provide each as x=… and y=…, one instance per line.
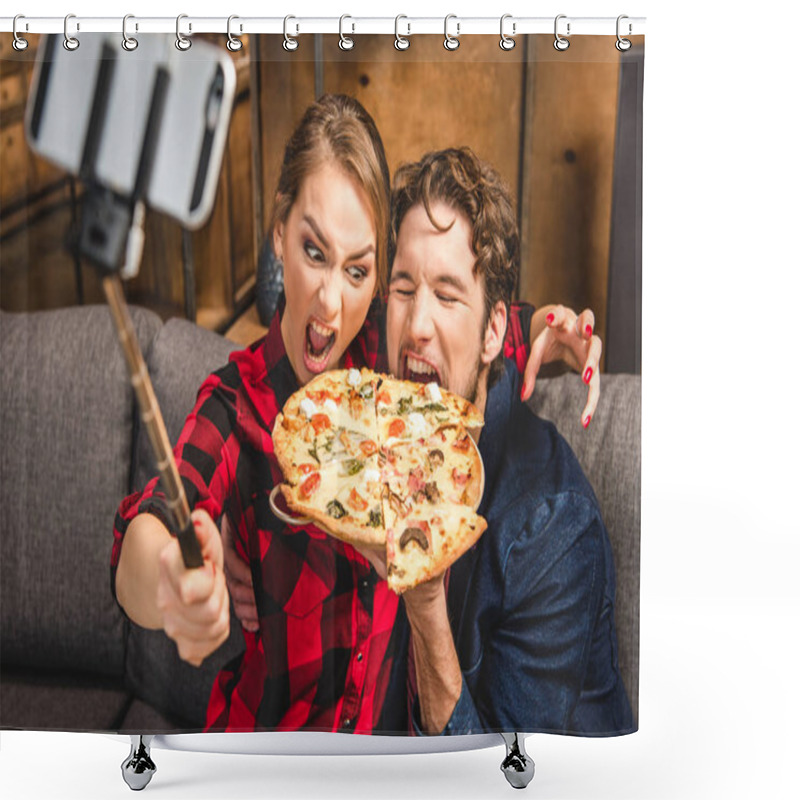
x=520, y=635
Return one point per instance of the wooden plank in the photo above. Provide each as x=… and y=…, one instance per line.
x=568, y=162
x=212, y=254
x=287, y=89
x=240, y=197
x=37, y=271
x=427, y=98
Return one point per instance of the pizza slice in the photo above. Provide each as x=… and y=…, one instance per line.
x=445, y=467
x=331, y=419
x=410, y=411
x=424, y=540
x=344, y=497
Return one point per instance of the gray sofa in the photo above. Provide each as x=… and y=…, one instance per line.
x=71, y=448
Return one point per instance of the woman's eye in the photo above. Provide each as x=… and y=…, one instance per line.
x=357, y=273
x=313, y=252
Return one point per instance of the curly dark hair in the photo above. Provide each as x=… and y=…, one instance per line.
x=457, y=176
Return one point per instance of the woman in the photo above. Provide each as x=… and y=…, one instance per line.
x=300, y=669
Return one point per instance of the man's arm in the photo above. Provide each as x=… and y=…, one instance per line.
x=438, y=674
x=533, y=661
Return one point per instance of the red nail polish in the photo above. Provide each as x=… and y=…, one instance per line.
x=550, y=319
x=197, y=523
x=587, y=376
x=587, y=421
x=588, y=331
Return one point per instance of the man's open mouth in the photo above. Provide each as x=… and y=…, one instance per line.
x=420, y=370
x=319, y=341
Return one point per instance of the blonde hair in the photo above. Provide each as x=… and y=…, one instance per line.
x=338, y=128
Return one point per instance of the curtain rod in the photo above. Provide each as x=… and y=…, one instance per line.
x=297, y=26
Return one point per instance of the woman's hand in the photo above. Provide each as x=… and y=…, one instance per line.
x=194, y=602
x=559, y=334
x=239, y=580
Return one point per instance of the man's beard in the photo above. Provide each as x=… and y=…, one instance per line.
x=472, y=392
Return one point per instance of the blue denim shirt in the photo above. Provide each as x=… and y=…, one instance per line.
x=532, y=604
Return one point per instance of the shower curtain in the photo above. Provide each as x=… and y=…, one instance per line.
x=541, y=614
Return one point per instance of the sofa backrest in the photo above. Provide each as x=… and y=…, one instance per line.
x=609, y=451
x=66, y=413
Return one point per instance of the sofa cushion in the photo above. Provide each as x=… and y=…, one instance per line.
x=65, y=454
x=181, y=357
x=62, y=701
x=609, y=451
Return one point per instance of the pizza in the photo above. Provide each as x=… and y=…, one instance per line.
x=381, y=462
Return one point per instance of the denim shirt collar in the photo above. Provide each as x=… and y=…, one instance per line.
x=492, y=443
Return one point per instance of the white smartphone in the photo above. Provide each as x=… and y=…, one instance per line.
x=96, y=110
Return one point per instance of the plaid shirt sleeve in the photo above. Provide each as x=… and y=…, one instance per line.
x=204, y=454
x=517, y=345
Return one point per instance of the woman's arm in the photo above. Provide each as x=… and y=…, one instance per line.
x=157, y=591
x=149, y=579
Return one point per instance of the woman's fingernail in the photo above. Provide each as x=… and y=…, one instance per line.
x=587, y=376
x=550, y=319
x=588, y=331
x=197, y=523
x=587, y=421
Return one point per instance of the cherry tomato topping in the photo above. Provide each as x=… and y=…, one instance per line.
x=397, y=427
x=368, y=447
x=320, y=422
x=310, y=485
x=357, y=501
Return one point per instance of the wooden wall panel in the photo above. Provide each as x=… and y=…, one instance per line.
x=286, y=90
x=427, y=98
x=568, y=161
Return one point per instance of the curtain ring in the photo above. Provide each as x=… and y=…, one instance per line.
x=19, y=43
x=181, y=42
x=561, y=43
x=451, y=42
x=345, y=42
x=233, y=44
x=400, y=42
x=70, y=42
x=289, y=42
x=129, y=43
x=506, y=42
x=623, y=44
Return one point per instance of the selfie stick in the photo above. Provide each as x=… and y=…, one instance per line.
x=111, y=238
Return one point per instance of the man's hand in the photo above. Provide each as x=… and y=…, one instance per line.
x=239, y=580
x=194, y=602
x=436, y=662
x=558, y=334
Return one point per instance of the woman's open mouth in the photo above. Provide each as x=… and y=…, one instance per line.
x=319, y=343
x=419, y=370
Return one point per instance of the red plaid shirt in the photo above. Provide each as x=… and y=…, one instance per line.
x=322, y=657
